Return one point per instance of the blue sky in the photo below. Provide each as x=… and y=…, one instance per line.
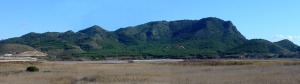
x=268, y=19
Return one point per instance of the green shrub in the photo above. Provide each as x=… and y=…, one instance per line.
x=32, y=69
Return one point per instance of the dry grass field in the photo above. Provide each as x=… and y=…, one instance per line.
x=187, y=72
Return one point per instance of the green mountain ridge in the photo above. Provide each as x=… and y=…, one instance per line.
x=205, y=38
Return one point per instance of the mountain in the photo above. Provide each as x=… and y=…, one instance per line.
x=260, y=46
x=205, y=38
x=94, y=30
x=182, y=30
x=287, y=44
x=208, y=36
x=185, y=32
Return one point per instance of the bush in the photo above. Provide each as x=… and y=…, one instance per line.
x=32, y=69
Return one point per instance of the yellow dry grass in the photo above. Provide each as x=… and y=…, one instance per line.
x=188, y=72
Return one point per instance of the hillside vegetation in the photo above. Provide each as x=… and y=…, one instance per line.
x=205, y=38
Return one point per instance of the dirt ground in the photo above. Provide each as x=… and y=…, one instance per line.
x=191, y=72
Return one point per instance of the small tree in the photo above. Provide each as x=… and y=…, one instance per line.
x=32, y=69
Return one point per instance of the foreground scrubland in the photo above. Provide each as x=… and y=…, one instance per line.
x=187, y=72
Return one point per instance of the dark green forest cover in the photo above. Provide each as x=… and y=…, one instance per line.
x=186, y=39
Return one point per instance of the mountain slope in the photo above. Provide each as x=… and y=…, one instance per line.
x=14, y=48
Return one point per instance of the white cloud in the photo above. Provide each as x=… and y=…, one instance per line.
x=287, y=37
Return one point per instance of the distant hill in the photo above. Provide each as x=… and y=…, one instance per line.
x=14, y=48
x=260, y=48
x=288, y=45
x=205, y=38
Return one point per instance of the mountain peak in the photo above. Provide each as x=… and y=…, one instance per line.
x=286, y=41
x=212, y=19
x=95, y=26
x=214, y=27
x=93, y=30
